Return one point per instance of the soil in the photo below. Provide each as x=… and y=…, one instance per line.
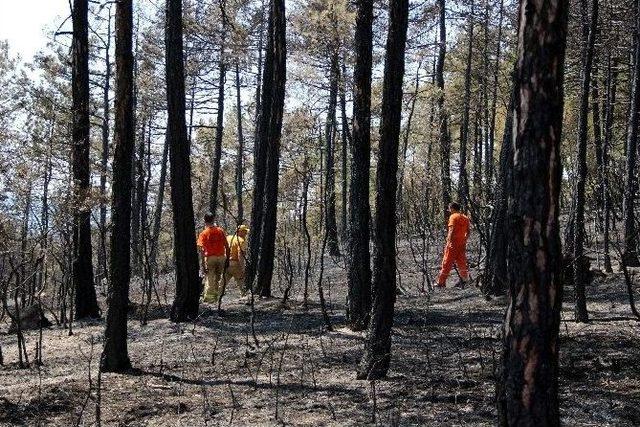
x=213, y=372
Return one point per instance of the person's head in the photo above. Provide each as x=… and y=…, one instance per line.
x=454, y=207
x=242, y=231
x=208, y=218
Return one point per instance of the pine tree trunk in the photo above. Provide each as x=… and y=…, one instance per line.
x=581, y=262
x=104, y=161
x=346, y=140
x=630, y=250
x=138, y=201
x=494, y=100
x=269, y=218
x=463, y=179
x=331, y=223
x=157, y=214
x=260, y=159
x=359, y=264
x=377, y=354
x=612, y=82
x=85, y=302
x=217, y=150
x=240, y=152
x=185, y=304
x=444, y=141
x=115, y=357
x=527, y=391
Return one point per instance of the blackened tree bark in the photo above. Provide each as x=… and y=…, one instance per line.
x=527, y=390
x=185, y=304
x=630, y=250
x=240, y=152
x=612, y=80
x=331, y=223
x=269, y=219
x=377, y=354
x=359, y=265
x=405, y=141
x=138, y=200
x=494, y=99
x=444, y=141
x=157, y=213
x=346, y=140
x=463, y=179
x=494, y=279
x=85, y=301
x=116, y=357
x=104, y=161
x=260, y=159
x=581, y=263
x=217, y=149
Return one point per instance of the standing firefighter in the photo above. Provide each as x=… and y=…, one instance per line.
x=456, y=245
x=237, y=257
x=213, y=246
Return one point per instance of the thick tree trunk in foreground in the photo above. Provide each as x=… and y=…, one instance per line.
x=359, y=265
x=630, y=250
x=580, y=262
x=185, y=304
x=444, y=141
x=331, y=222
x=377, y=354
x=260, y=159
x=527, y=391
x=85, y=301
x=116, y=357
x=269, y=218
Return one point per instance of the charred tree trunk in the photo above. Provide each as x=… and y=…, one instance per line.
x=405, y=142
x=612, y=81
x=85, y=302
x=444, y=141
x=463, y=179
x=494, y=280
x=260, y=159
x=269, y=219
x=377, y=354
x=630, y=250
x=116, y=357
x=185, y=304
x=217, y=150
x=494, y=99
x=240, y=153
x=157, y=213
x=527, y=391
x=104, y=161
x=359, y=265
x=331, y=223
x=138, y=202
x=346, y=140
x=581, y=262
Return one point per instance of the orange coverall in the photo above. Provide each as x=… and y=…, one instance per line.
x=456, y=246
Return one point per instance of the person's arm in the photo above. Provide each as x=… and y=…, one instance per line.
x=450, y=237
x=203, y=259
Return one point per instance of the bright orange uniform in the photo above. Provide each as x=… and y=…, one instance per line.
x=454, y=253
x=212, y=240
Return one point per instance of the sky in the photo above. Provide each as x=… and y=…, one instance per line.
x=28, y=24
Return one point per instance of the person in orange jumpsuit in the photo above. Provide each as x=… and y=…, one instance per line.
x=456, y=245
x=213, y=246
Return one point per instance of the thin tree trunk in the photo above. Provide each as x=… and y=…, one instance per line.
x=527, y=391
x=630, y=250
x=612, y=81
x=185, y=304
x=85, y=302
x=377, y=354
x=463, y=179
x=405, y=141
x=581, y=262
x=494, y=100
x=217, y=151
x=240, y=153
x=359, y=266
x=106, y=111
x=138, y=201
x=444, y=141
x=115, y=357
x=330, y=192
x=157, y=213
x=346, y=140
